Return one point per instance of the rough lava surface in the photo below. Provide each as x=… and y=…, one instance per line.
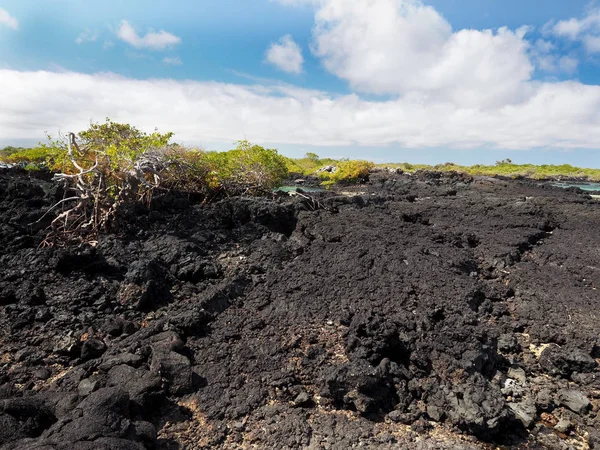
x=432, y=311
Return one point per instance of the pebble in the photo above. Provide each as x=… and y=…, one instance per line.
x=563, y=426
x=42, y=373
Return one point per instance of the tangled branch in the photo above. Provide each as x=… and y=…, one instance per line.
x=98, y=193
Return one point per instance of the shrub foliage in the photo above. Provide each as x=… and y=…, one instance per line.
x=112, y=166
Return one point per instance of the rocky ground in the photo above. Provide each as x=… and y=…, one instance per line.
x=421, y=312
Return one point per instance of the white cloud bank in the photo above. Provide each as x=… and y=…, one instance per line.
x=555, y=115
x=404, y=47
x=445, y=88
x=8, y=20
x=286, y=55
x=152, y=40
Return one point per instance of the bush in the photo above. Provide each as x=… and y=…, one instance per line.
x=35, y=157
x=247, y=169
x=348, y=172
x=187, y=171
x=104, y=168
x=112, y=166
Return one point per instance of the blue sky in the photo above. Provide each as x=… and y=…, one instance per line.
x=470, y=81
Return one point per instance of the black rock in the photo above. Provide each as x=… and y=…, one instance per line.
x=92, y=348
x=574, y=400
x=173, y=367
x=564, y=361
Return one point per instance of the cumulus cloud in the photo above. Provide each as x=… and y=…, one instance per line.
x=152, y=40
x=443, y=87
x=286, y=55
x=585, y=29
x=172, y=60
x=404, y=46
x=557, y=115
x=8, y=20
x=86, y=36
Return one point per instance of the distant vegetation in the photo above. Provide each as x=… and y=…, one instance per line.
x=250, y=168
x=507, y=168
x=112, y=166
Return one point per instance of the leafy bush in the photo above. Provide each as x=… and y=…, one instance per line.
x=114, y=146
x=348, y=172
x=104, y=168
x=28, y=156
x=187, y=171
x=111, y=166
x=309, y=164
x=247, y=169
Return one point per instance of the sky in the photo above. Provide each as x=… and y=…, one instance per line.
x=424, y=81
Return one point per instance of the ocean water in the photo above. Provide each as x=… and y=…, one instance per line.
x=295, y=188
x=582, y=186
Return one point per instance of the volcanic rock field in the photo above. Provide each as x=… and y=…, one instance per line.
x=425, y=311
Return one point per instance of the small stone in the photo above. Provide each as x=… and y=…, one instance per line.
x=42, y=373
x=92, y=348
x=173, y=367
x=86, y=387
x=563, y=426
x=574, y=400
x=549, y=419
x=517, y=374
x=65, y=345
x=122, y=358
x=435, y=413
x=303, y=399
x=420, y=426
x=403, y=418
x=544, y=399
x=511, y=387
x=508, y=343
x=24, y=353
x=524, y=412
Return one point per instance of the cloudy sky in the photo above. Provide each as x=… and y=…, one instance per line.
x=470, y=81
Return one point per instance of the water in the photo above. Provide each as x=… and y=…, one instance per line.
x=295, y=188
x=580, y=185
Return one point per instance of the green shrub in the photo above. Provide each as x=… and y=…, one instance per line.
x=35, y=157
x=114, y=146
x=348, y=172
x=247, y=169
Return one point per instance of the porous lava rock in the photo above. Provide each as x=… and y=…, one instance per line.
x=433, y=310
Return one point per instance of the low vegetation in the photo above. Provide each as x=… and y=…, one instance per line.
x=508, y=169
x=111, y=166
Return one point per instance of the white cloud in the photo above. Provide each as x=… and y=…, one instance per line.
x=573, y=28
x=585, y=29
x=151, y=40
x=87, y=36
x=592, y=43
x=405, y=47
x=8, y=20
x=286, y=55
x=548, y=59
x=445, y=88
x=173, y=60
x=557, y=115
